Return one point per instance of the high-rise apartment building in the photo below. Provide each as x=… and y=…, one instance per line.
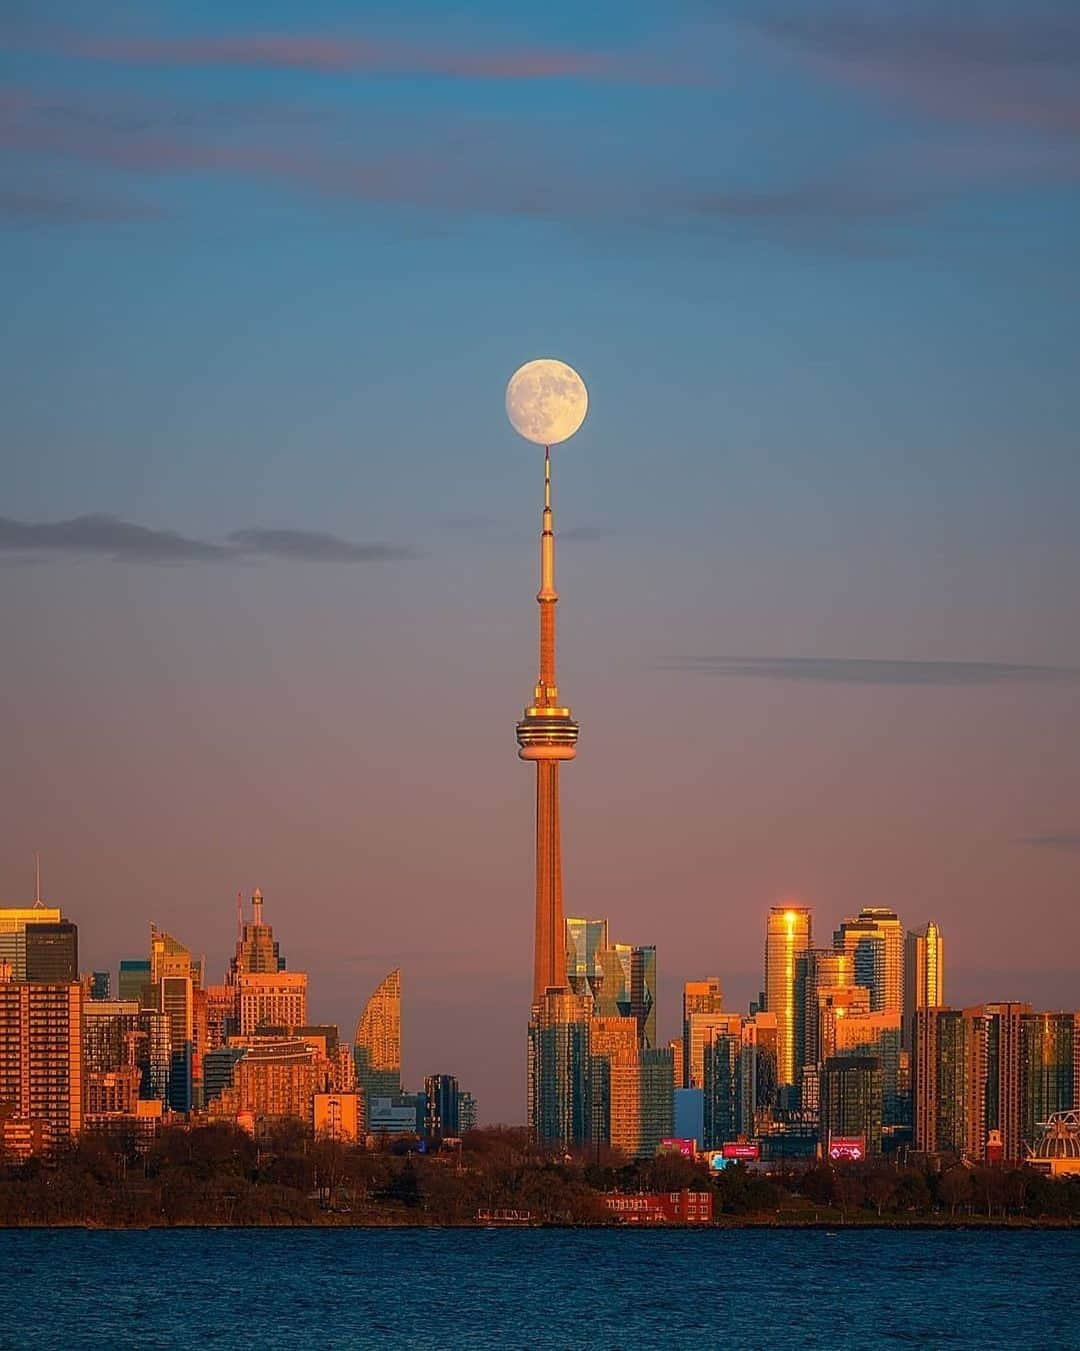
x=110, y=1034
x=924, y=974
x=875, y=940
x=620, y=977
x=728, y=1085
x=946, y=1057
x=559, y=1070
x=377, y=1041
x=787, y=938
x=851, y=1101
x=1048, y=1078
x=631, y=1099
x=699, y=1030
x=41, y=1054
x=877, y=1036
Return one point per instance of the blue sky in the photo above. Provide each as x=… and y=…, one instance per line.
x=269, y=269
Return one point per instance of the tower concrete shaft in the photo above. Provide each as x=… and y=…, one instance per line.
x=547, y=734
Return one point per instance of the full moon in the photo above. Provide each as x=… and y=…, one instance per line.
x=546, y=401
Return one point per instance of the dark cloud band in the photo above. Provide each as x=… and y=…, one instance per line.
x=111, y=537
x=869, y=671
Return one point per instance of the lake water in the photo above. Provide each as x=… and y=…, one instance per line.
x=326, y=1288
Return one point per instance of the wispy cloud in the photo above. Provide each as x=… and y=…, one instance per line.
x=35, y=207
x=870, y=671
x=329, y=53
x=1068, y=840
x=110, y=537
x=314, y=546
x=1015, y=65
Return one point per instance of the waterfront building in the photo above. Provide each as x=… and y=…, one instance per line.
x=681, y=1207
x=875, y=940
x=942, y=1047
x=41, y=1054
x=787, y=938
x=377, y=1042
x=1005, y=1076
x=441, y=1114
x=1056, y=1151
x=851, y=1101
x=924, y=974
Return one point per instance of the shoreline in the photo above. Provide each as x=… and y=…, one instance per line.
x=966, y=1224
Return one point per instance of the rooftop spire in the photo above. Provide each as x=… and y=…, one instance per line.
x=37, y=880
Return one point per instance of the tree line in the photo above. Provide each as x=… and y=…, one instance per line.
x=218, y=1174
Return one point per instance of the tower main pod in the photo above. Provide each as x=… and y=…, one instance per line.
x=547, y=734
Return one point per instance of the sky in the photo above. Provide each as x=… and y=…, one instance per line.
x=267, y=542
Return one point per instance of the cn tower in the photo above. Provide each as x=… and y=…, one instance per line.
x=547, y=734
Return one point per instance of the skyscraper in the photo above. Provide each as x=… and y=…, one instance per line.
x=924, y=974
x=698, y=996
x=41, y=1053
x=875, y=939
x=851, y=1092
x=547, y=735
x=821, y=969
x=52, y=952
x=787, y=937
x=13, y=925
x=441, y=1110
x=256, y=950
x=377, y=1041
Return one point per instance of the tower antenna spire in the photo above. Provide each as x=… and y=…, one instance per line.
x=37, y=880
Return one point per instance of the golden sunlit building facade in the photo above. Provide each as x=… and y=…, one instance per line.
x=41, y=1055
x=787, y=938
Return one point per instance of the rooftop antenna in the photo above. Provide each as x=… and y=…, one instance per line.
x=239, y=916
x=37, y=880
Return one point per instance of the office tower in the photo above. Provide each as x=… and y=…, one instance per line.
x=699, y=1031
x=851, y=1100
x=256, y=953
x=13, y=925
x=169, y=957
x=877, y=1036
x=176, y=1004
x=699, y=996
x=441, y=1117
x=875, y=940
x=377, y=1042
x=833, y=1006
x=41, y=1054
x=52, y=952
x=135, y=983
x=620, y=977
x=153, y=1053
x=689, y=1122
x=559, y=1080
x=924, y=974
x=1048, y=1084
x=547, y=735
x=820, y=970
x=98, y=985
x=275, y=999
x=787, y=938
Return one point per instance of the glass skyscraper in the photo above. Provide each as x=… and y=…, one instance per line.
x=787, y=937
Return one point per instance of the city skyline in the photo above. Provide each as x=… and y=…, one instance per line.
x=264, y=538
